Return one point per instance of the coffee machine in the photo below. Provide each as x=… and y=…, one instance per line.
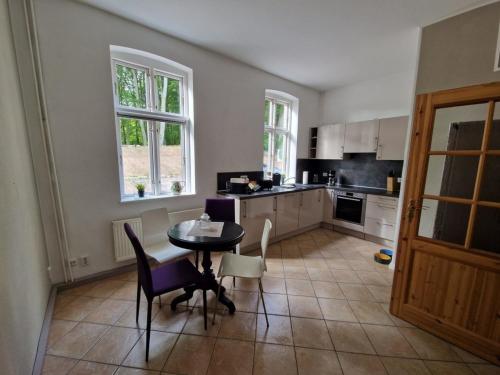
x=331, y=177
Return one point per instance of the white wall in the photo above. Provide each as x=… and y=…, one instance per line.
x=228, y=102
x=24, y=283
x=387, y=96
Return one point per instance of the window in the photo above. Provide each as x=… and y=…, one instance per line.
x=154, y=135
x=279, y=134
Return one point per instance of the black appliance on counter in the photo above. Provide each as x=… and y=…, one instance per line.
x=265, y=184
x=238, y=188
x=276, y=179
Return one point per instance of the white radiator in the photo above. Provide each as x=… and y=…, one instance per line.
x=123, y=247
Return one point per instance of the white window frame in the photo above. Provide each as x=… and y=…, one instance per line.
x=273, y=130
x=156, y=65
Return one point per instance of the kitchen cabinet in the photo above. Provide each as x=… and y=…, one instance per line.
x=329, y=203
x=361, y=137
x=392, y=138
x=251, y=214
x=330, y=142
x=380, y=216
x=311, y=207
x=287, y=213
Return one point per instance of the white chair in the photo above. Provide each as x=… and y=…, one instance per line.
x=248, y=267
x=155, y=224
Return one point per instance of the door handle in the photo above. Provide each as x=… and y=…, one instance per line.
x=412, y=206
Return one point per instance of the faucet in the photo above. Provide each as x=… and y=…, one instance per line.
x=288, y=179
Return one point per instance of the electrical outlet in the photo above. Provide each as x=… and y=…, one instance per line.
x=84, y=260
x=73, y=262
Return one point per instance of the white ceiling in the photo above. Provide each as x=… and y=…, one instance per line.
x=318, y=43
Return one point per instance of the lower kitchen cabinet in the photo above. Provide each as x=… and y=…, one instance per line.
x=251, y=214
x=311, y=207
x=287, y=213
x=380, y=216
x=329, y=199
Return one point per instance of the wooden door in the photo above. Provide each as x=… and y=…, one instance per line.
x=391, y=138
x=330, y=142
x=447, y=278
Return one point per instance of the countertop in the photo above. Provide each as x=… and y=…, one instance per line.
x=300, y=187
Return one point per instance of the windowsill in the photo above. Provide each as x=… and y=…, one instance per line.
x=136, y=198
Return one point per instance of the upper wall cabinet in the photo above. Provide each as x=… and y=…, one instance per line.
x=391, y=138
x=330, y=143
x=361, y=137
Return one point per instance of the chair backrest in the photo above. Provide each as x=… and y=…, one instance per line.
x=220, y=209
x=143, y=269
x=155, y=224
x=265, y=238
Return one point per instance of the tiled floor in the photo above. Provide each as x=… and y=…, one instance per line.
x=329, y=315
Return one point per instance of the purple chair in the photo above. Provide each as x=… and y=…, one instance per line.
x=158, y=281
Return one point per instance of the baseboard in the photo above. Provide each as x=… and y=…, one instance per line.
x=44, y=334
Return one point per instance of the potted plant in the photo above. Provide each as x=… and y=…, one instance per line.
x=176, y=187
x=140, y=190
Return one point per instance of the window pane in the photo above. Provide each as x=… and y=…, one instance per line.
x=267, y=112
x=267, y=152
x=170, y=140
x=444, y=221
x=131, y=86
x=168, y=94
x=486, y=229
x=459, y=128
x=280, y=116
x=135, y=154
x=453, y=176
x=494, y=143
x=279, y=153
x=490, y=185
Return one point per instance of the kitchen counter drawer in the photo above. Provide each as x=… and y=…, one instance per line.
x=383, y=211
x=378, y=199
x=379, y=228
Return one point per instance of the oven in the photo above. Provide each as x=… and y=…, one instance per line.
x=350, y=207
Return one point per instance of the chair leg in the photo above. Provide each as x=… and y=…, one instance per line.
x=148, y=328
x=159, y=299
x=234, y=278
x=138, y=301
x=205, y=308
x=263, y=303
x=217, y=299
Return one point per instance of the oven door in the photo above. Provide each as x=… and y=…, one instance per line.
x=349, y=209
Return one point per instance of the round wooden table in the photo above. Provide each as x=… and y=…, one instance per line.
x=232, y=234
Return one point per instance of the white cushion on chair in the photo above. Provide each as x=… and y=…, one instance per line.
x=164, y=251
x=241, y=266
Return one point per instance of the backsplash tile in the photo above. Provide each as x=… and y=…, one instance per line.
x=355, y=169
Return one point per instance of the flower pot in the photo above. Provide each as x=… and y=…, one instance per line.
x=140, y=193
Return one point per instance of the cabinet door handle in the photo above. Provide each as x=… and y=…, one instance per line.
x=275, y=204
x=376, y=141
x=320, y=192
x=386, y=207
x=301, y=199
x=244, y=209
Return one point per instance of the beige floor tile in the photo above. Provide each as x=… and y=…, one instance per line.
x=397, y=322
x=294, y=272
x=109, y=311
x=273, y=359
x=62, y=300
x=78, y=341
x=79, y=308
x=58, y=328
x=402, y=366
x=79, y=290
x=278, y=332
x=170, y=321
x=370, y=312
x=114, y=346
x=349, y=337
x=160, y=346
x=247, y=285
x=231, y=357
x=128, y=291
x=305, y=307
x=371, y=278
x=311, y=333
x=346, y=276
x=361, y=364
x=274, y=285
x=57, y=365
x=240, y=326
x=191, y=355
x=380, y=293
x=195, y=324
x=128, y=318
x=482, y=369
x=299, y=287
x=467, y=356
x=275, y=304
x=104, y=288
x=320, y=274
x=361, y=265
x=336, y=309
x=389, y=341
x=428, y=346
x=244, y=301
x=326, y=289
x=135, y=371
x=315, y=264
x=448, y=368
x=356, y=292
x=317, y=362
x=92, y=368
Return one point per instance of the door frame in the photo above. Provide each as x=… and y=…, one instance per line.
x=408, y=242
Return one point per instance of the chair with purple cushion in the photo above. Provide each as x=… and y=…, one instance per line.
x=158, y=281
